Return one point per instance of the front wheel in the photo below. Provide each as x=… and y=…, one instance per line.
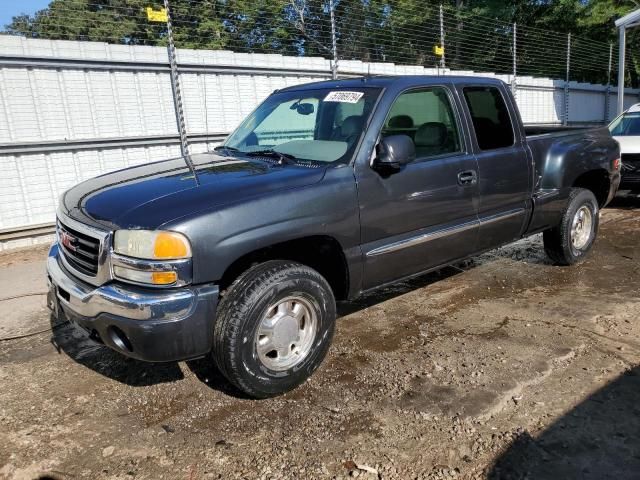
x=274, y=327
x=571, y=241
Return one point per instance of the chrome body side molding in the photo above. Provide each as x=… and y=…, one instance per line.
x=427, y=237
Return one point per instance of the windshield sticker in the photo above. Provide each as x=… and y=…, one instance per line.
x=344, y=97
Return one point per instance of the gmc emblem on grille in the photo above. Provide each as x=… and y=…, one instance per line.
x=69, y=241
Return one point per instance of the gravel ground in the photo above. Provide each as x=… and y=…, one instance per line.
x=504, y=367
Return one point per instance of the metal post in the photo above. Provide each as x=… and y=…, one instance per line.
x=621, y=67
x=607, y=98
x=514, y=85
x=175, y=85
x=442, y=60
x=206, y=106
x=565, y=120
x=334, y=43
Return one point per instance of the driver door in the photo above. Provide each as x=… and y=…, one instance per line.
x=424, y=215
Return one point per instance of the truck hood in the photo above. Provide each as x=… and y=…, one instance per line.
x=149, y=195
x=628, y=143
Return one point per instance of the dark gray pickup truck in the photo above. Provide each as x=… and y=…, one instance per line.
x=326, y=191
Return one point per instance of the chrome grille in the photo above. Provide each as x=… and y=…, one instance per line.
x=81, y=251
x=631, y=163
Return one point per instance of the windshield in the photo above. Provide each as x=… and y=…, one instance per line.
x=626, y=125
x=322, y=125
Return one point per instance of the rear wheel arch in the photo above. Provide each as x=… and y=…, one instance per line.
x=598, y=182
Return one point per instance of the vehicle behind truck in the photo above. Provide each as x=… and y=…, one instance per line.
x=625, y=129
x=326, y=191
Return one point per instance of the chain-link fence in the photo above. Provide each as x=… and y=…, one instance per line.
x=88, y=86
x=371, y=31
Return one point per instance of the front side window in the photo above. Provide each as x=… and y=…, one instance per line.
x=627, y=124
x=322, y=125
x=426, y=116
x=490, y=117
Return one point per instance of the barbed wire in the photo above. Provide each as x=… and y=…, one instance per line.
x=364, y=31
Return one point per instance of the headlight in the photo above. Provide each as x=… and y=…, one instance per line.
x=154, y=258
x=151, y=245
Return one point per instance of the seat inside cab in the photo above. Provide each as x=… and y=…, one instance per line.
x=425, y=116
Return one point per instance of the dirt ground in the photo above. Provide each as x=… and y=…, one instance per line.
x=505, y=367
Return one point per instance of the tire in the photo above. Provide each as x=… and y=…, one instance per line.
x=246, y=312
x=565, y=247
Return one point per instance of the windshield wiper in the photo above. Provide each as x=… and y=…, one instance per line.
x=283, y=158
x=226, y=148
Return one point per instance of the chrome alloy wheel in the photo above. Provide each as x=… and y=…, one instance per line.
x=286, y=333
x=581, y=227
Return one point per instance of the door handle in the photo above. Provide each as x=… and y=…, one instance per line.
x=468, y=177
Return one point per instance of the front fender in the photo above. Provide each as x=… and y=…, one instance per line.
x=222, y=235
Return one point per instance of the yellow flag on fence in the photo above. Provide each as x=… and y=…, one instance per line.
x=156, y=15
x=438, y=50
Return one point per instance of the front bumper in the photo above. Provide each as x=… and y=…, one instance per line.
x=148, y=324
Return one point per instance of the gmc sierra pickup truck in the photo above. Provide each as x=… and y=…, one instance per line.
x=326, y=191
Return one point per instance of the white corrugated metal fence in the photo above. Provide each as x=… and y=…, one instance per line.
x=72, y=110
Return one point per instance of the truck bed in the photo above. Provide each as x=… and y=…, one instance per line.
x=548, y=142
x=535, y=130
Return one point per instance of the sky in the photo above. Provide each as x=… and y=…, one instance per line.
x=10, y=8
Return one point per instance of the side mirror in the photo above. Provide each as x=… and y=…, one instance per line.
x=393, y=152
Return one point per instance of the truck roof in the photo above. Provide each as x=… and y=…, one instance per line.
x=395, y=80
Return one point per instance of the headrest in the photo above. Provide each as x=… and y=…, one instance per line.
x=351, y=126
x=401, y=121
x=431, y=134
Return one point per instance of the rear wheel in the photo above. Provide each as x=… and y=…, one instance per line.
x=571, y=241
x=274, y=327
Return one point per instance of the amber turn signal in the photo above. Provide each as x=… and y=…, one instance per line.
x=163, y=278
x=170, y=245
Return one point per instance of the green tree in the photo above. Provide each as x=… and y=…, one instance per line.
x=101, y=20
x=479, y=33
x=245, y=25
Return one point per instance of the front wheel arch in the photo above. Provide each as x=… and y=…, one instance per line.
x=320, y=252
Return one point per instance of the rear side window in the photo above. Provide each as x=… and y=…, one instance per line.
x=490, y=117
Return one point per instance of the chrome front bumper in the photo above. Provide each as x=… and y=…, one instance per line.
x=148, y=324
